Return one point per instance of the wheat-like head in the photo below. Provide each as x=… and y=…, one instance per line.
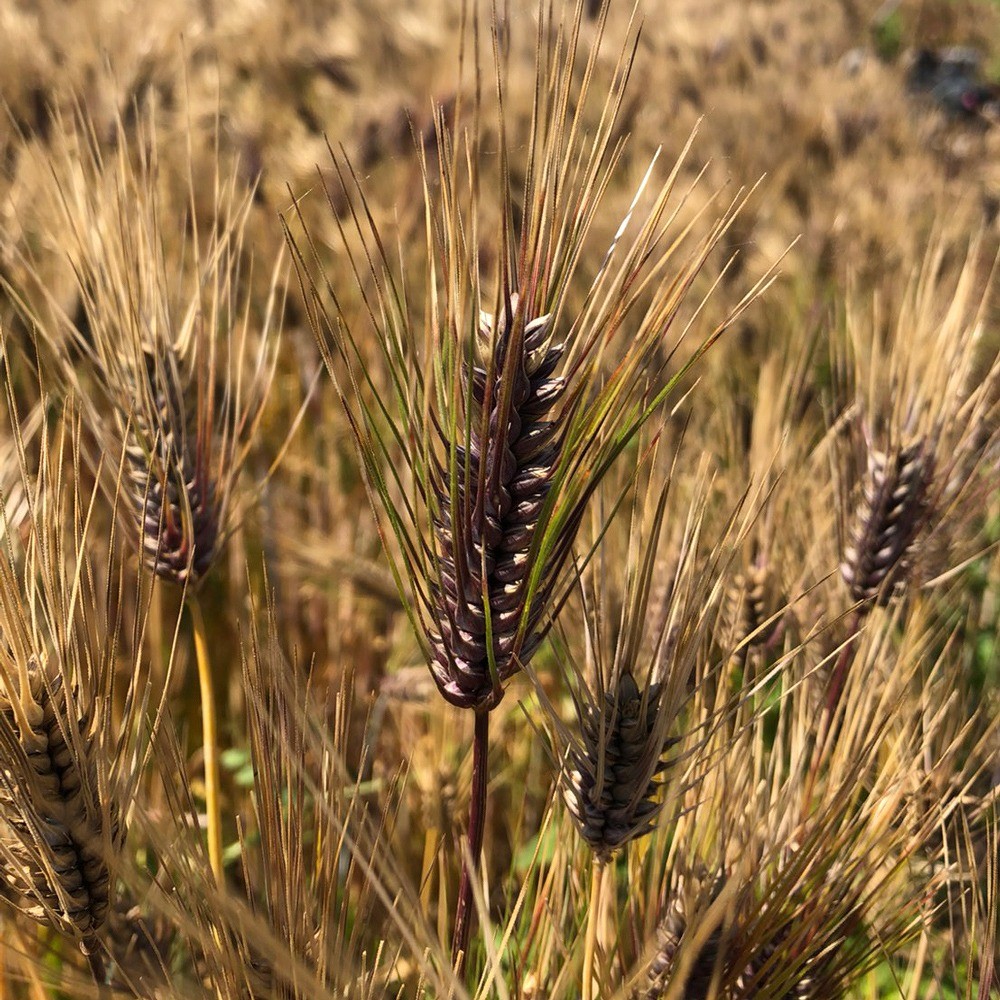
x=67, y=767
x=485, y=426
x=632, y=672
x=892, y=513
x=922, y=422
x=170, y=363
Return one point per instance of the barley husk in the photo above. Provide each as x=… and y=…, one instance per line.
x=54, y=835
x=612, y=792
x=754, y=606
x=485, y=531
x=891, y=514
x=171, y=488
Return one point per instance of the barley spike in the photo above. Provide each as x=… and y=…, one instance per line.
x=490, y=527
x=52, y=837
x=618, y=743
x=889, y=519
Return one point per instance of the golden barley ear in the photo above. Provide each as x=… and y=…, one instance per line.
x=53, y=841
x=754, y=602
x=66, y=772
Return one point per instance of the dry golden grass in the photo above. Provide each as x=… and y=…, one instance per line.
x=718, y=764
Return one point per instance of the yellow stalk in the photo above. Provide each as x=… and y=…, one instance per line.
x=209, y=739
x=593, y=919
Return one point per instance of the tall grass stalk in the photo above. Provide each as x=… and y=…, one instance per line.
x=209, y=738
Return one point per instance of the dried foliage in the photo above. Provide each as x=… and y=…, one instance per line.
x=686, y=495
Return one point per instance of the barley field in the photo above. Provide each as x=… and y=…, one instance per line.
x=500, y=500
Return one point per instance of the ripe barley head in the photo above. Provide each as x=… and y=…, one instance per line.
x=67, y=766
x=54, y=837
x=485, y=428
x=485, y=539
x=703, y=967
x=169, y=477
x=922, y=423
x=614, y=801
x=169, y=363
x=888, y=521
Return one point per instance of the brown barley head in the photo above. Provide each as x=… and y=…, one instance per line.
x=487, y=417
x=54, y=834
x=170, y=363
x=485, y=540
x=67, y=769
x=631, y=688
x=616, y=802
x=920, y=415
x=688, y=905
x=170, y=481
x=891, y=514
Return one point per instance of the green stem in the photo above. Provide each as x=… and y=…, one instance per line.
x=209, y=739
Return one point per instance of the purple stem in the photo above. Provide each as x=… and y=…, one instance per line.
x=465, y=908
x=838, y=678
x=839, y=675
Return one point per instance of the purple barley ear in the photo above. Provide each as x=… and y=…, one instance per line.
x=611, y=792
x=169, y=482
x=485, y=529
x=674, y=925
x=893, y=511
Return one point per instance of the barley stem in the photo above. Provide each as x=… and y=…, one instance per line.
x=593, y=919
x=835, y=687
x=839, y=675
x=97, y=969
x=209, y=739
x=477, y=823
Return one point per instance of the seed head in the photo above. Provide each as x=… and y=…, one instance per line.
x=633, y=673
x=485, y=429
x=920, y=415
x=753, y=606
x=65, y=768
x=54, y=835
x=486, y=536
x=167, y=361
x=612, y=791
x=170, y=484
x=889, y=520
